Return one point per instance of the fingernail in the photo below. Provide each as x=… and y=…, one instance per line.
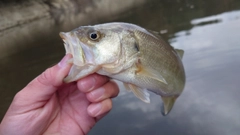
x=97, y=94
x=88, y=84
x=95, y=109
x=64, y=62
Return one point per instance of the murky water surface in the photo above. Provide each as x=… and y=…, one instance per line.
x=209, y=34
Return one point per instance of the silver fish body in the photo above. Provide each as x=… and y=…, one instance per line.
x=139, y=58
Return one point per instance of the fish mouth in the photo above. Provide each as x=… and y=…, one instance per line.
x=71, y=45
x=82, y=53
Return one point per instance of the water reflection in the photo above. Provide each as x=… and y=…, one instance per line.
x=224, y=17
x=209, y=104
x=208, y=32
x=212, y=65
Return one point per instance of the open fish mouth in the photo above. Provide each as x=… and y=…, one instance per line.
x=74, y=46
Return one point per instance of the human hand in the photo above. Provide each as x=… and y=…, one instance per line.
x=49, y=106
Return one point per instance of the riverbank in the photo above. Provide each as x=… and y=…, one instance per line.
x=20, y=21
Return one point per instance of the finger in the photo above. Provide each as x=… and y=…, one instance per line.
x=45, y=85
x=97, y=109
x=101, y=116
x=109, y=90
x=91, y=82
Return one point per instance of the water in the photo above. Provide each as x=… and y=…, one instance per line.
x=208, y=32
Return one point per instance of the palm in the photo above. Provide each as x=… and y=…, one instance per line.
x=48, y=106
x=72, y=116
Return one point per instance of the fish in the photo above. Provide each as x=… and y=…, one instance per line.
x=136, y=56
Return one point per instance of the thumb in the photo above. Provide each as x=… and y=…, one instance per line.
x=45, y=85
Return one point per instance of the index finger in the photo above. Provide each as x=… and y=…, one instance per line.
x=45, y=85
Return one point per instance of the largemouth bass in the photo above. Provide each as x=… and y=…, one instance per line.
x=139, y=58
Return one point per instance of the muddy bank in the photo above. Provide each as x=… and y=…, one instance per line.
x=21, y=21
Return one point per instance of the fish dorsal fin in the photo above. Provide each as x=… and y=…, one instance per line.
x=154, y=33
x=158, y=35
x=179, y=52
x=139, y=92
x=167, y=105
x=149, y=72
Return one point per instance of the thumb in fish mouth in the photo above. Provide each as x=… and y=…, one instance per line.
x=62, y=35
x=167, y=104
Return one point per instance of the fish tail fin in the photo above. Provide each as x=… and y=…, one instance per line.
x=167, y=105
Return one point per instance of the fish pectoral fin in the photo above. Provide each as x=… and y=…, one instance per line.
x=77, y=72
x=167, y=105
x=179, y=52
x=150, y=73
x=140, y=93
x=127, y=87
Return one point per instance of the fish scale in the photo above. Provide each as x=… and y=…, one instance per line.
x=139, y=58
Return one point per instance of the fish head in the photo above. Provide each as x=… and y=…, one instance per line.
x=92, y=45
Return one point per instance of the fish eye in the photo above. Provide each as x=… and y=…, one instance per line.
x=94, y=36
